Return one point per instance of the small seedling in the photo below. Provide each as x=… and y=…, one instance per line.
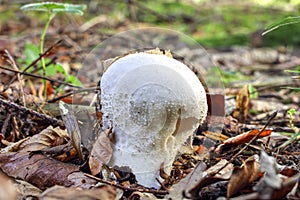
x=51, y=8
x=291, y=112
x=252, y=91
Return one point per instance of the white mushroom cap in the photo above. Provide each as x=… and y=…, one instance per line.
x=154, y=103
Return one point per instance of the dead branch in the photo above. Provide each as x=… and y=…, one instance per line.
x=159, y=192
x=41, y=77
x=16, y=107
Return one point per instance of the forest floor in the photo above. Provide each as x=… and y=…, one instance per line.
x=248, y=148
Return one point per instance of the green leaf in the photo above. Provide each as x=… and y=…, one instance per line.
x=53, y=69
x=31, y=52
x=57, y=68
x=54, y=7
x=284, y=22
x=72, y=79
x=292, y=88
x=291, y=112
x=252, y=91
x=292, y=71
x=289, y=141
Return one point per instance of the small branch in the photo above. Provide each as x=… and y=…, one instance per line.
x=159, y=192
x=15, y=67
x=14, y=106
x=93, y=89
x=40, y=77
x=33, y=63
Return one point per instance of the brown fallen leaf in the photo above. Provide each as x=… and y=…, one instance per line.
x=243, y=138
x=101, y=152
x=26, y=189
x=215, y=135
x=207, y=178
x=243, y=176
x=272, y=185
x=42, y=171
x=63, y=193
x=188, y=182
x=7, y=189
x=72, y=126
x=287, y=185
x=49, y=137
x=242, y=105
x=142, y=195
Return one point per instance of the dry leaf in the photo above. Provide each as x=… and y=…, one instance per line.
x=101, y=152
x=207, y=177
x=272, y=185
x=142, y=196
x=63, y=193
x=41, y=171
x=7, y=189
x=287, y=186
x=243, y=176
x=243, y=138
x=26, y=189
x=188, y=182
x=242, y=105
x=271, y=180
x=72, y=126
x=215, y=136
x=49, y=137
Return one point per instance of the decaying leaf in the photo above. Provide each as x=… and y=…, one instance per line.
x=242, y=105
x=287, y=187
x=101, y=152
x=72, y=126
x=142, y=196
x=215, y=135
x=243, y=176
x=40, y=170
x=272, y=185
x=63, y=193
x=49, y=137
x=26, y=189
x=187, y=182
x=7, y=189
x=211, y=175
x=243, y=138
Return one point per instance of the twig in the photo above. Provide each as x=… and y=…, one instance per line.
x=273, y=115
x=93, y=89
x=6, y=123
x=33, y=63
x=159, y=192
x=14, y=106
x=41, y=77
x=15, y=67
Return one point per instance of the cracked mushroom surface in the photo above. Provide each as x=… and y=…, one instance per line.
x=154, y=103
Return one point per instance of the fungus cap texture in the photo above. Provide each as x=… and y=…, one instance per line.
x=154, y=103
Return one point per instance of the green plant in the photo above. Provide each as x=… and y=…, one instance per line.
x=291, y=112
x=280, y=23
x=51, y=8
x=252, y=91
x=32, y=52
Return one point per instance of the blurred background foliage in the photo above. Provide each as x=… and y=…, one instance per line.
x=213, y=23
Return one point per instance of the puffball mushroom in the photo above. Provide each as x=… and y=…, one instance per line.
x=154, y=103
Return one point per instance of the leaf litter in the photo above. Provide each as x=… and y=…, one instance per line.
x=39, y=149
